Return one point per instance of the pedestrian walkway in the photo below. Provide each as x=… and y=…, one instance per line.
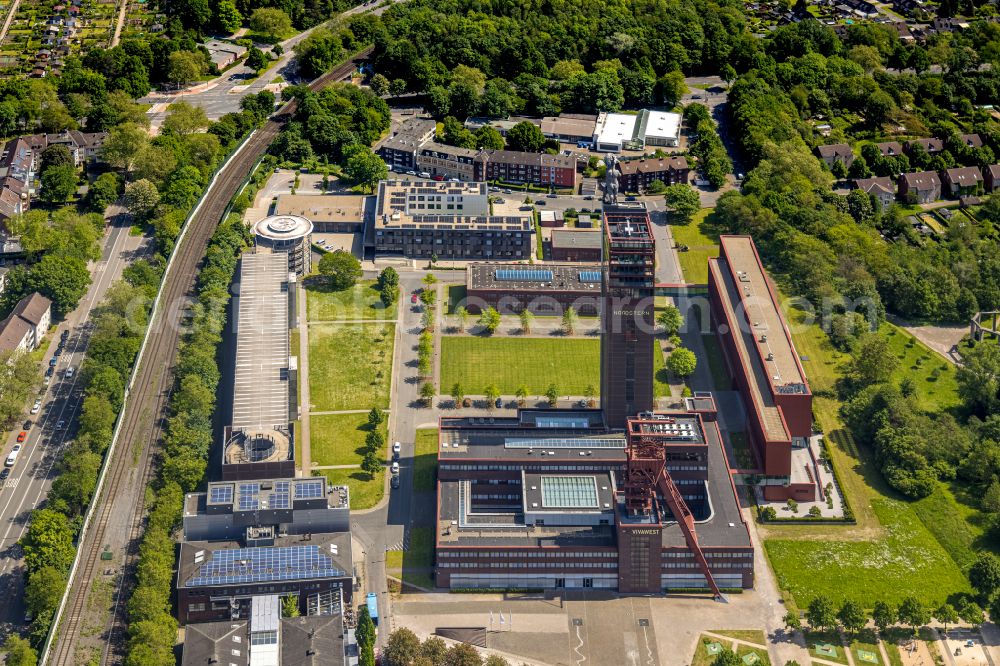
x=305, y=465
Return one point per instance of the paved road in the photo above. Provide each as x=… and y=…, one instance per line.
x=32, y=476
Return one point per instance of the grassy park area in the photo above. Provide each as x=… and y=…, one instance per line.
x=708, y=649
x=350, y=365
x=702, y=238
x=338, y=439
x=425, y=459
x=571, y=364
x=359, y=302
x=366, y=491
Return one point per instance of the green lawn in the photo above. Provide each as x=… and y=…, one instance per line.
x=865, y=642
x=359, y=302
x=456, y=294
x=366, y=491
x=572, y=364
x=418, y=558
x=934, y=377
x=701, y=655
x=892, y=552
x=814, y=638
x=350, y=365
x=702, y=238
x=720, y=378
x=661, y=385
x=338, y=439
x=749, y=635
x=425, y=459
x=762, y=657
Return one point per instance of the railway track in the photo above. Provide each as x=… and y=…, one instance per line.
x=145, y=407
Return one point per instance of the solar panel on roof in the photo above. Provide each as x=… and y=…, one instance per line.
x=562, y=422
x=264, y=564
x=564, y=443
x=308, y=489
x=590, y=276
x=220, y=494
x=249, y=503
x=524, y=275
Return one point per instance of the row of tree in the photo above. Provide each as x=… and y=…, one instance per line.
x=186, y=444
x=853, y=617
x=403, y=648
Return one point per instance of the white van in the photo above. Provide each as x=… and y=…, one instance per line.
x=424, y=174
x=12, y=458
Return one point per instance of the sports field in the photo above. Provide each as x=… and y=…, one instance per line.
x=475, y=362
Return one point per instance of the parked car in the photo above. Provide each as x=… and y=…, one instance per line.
x=61, y=424
x=498, y=403
x=630, y=198
x=37, y=407
x=500, y=201
x=12, y=458
x=507, y=192
x=394, y=468
x=411, y=172
x=27, y=424
x=415, y=298
x=438, y=178
x=424, y=174
x=396, y=450
x=552, y=195
x=540, y=202
x=454, y=180
x=70, y=371
x=21, y=436
x=4, y=473
x=394, y=482
x=53, y=361
x=589, y=197
x=64, y=335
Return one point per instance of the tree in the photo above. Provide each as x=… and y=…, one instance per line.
x=48, y=542
x=682, y=362
x=270, y=22
x=792, y=621
x=492, y=395
x=61, y=279
x=457, y=394
x=985, y=575
x=569, y=319
x=18, y=376
x=462, y=654
x=683, y=200
x=375, y=418
x=379, y=85
x=388, y=277
x=972, y=613
x=371, y=463
x=227, y=16
x=463, y=316
x=552, y=393
x=839, y=170
x=589, y=394
x=401, y=649
x=489, y=320
x=727, y=658
x=670, y=318
x=671, y=87
x=820, y=613
x=526, y=137
x=141, y=197
x=427, y=393
x=341, y=269
x=56, y=155
x=526, y=319
x=19, y=652
x=124, y=144
x=488, y=138
x=44, y=591
x=852, y=616
x=873, y=361
x=495, y=660
x=185, y=66
x=58, y=184
x=884, y=615
x=913, y=613
x=103, y=192
x=979, y=378
x=290, y=606
x=521, y=394
x=366, y=168
x=256, y=59
x=946, y=615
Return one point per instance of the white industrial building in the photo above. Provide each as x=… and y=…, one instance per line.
x=615, y=132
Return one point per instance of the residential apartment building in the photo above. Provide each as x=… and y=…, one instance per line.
x=638, y=175
x=836, y=152
x=919, y=187
x=881, y=187
x=25, y=327
x=400, y=150
x=558, y=171
x=963, y=181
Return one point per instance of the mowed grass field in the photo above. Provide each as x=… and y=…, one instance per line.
x=350, y=365
x=425, y=452
x=571, y=364
x=359, y=302
x=365, y=491
x=702, y=238
x=339, y=439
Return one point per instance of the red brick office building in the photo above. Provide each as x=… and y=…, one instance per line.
x=761, y=358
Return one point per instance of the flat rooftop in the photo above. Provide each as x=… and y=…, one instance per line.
x=575, y=277
x=582, y=239
x=625, y=223
x=295, y=557
x=398, y=202
x=260, y=386
x=568, y=126
x=568, y=493
x=615, y=127
x=323, y=207
x=671, y=429
x=660, y=124
x=526, y=444
x=264, y=494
